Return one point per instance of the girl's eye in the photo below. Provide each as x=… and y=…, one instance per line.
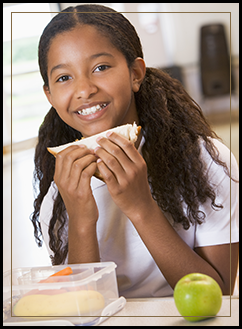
x=101, y=68
x=64, y=78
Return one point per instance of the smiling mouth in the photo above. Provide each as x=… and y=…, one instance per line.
x=93, y=109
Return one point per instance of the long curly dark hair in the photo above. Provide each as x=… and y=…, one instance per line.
x=172, y=123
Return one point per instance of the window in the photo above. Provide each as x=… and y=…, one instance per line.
x=29, y=104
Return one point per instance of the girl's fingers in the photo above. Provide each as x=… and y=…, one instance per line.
x=127, y=146
x=117, y=152
x=114, y=160
x=80, y=168
x=65, y=160
x=108, y=175
x=87, y=173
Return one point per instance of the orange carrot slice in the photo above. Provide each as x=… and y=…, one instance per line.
x=66, y=271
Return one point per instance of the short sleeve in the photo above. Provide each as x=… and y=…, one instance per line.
x=221, y=225
x=46, y=210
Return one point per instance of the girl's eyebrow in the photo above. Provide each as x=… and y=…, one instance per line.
x=60, y=66
x=101, y=54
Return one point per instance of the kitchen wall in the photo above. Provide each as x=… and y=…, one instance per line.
x=181, y=24
x=170, y=35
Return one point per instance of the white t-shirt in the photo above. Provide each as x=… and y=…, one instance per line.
x=137, y=273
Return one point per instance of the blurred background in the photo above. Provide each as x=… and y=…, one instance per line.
x=197, y=43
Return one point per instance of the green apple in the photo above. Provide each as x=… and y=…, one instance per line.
x=197, y=297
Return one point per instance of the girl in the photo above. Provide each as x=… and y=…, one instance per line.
x=164, y=209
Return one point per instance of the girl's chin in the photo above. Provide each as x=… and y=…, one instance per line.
x=94, y=128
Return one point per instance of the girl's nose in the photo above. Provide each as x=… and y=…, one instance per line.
x=85, y=88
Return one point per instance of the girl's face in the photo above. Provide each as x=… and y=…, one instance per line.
x=90, y=84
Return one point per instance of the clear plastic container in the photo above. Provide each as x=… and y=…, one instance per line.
x=79, y=297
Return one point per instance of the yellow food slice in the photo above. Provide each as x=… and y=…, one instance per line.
x=67, y=304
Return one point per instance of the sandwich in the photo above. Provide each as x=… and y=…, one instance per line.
x=129, y=131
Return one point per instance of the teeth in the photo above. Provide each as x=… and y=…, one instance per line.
x=91, y=110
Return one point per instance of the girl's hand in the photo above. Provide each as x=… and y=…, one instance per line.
x=73, y=171
x=125, y=173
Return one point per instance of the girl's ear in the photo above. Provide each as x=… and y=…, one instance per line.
x=48, y=94
x=138, y=70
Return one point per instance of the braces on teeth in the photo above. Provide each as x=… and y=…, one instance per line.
x=92, y=109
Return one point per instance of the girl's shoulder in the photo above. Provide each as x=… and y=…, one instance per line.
x=224, y=154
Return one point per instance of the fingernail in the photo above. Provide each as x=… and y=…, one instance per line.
x=98, y=147
x=109, y=133
x=99, y=138
x=99, y=160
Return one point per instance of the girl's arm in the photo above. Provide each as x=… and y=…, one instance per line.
x=83, y=246
x=125, y=173
x=176, y=259
x=73, y=171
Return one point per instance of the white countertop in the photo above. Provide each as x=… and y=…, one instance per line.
x=151, y=312
x=163, y=312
